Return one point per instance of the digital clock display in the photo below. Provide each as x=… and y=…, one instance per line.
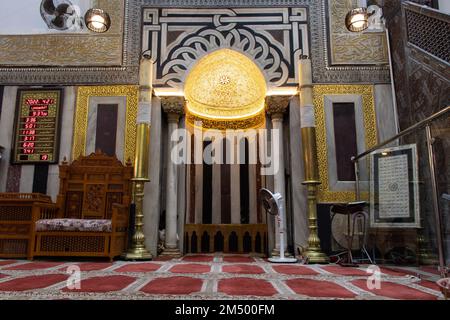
x=37, y=126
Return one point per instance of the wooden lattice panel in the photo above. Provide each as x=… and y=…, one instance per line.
x=13, y=247
x=15, y=213
x=238, y=238
x=72, y=244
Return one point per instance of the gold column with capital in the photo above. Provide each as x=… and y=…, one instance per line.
x=313, y=252
x=138, y=251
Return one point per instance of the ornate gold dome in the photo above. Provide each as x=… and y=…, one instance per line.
x=225, y=86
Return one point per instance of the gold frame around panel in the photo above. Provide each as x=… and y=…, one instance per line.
x=131, y=93
x=350, y=48
x=325, y=195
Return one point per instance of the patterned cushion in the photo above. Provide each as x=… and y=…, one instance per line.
x=86, y=225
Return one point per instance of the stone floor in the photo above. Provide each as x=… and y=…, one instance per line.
x=204, y=277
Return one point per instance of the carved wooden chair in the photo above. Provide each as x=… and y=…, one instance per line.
x=18, y=215
x=93, y=202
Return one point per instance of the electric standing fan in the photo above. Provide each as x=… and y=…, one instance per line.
x=273, y=205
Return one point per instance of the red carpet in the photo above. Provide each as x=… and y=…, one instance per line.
x=429, y=284
x=246, y=287
x=198, y=258
x=190, y=268
x=162, y=258
x=430, y=269
x=295, y=270
x=218, y=276
x=395, y=291
x=103, y=284
x=243, y=269
x=139, y=267
x=173, y=285
x=95, y=266
x=317, y=288
x=393, y=272
x=32, y=282
x=345, y=271
x=238, y=259
x=34, y=266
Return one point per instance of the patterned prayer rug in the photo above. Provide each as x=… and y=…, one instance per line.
x=208, y=277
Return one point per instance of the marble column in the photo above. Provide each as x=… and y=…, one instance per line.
x=174, y=108
x=276, y=107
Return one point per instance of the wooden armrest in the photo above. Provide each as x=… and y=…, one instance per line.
x=45, y=211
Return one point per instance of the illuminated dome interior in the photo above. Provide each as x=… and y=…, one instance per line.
x=225, y=86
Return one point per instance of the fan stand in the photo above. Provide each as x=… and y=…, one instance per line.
x=282, y=258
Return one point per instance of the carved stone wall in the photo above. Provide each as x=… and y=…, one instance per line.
x=353, y=47
x=273, y=38
x=116, y=60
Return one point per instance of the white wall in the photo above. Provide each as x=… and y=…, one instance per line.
x=24, y=16
x=444, y=6
x=6, y=131
x=65, y=146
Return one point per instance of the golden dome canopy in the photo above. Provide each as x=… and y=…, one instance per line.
x=225, y=86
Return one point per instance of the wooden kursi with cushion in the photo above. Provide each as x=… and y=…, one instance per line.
x=94, y=200
x=18, y=214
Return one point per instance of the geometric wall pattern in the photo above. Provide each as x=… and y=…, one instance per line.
x=274, y=38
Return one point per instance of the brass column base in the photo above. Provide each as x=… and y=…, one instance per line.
x=316, y=257
x=314, y=252
x=138, y=254
x=174, y=253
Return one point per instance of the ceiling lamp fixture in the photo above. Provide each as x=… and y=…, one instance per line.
x=63, y=15
x=357, y=20
x=97, y=20
x=365, y=17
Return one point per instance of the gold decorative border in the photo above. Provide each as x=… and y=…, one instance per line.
x=370, y=126
x=131, y=93
x=254, y=122
x=350, y=48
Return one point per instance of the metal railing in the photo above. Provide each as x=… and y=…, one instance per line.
x=424, y=124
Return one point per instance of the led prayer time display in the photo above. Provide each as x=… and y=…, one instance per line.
x=37, y=126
